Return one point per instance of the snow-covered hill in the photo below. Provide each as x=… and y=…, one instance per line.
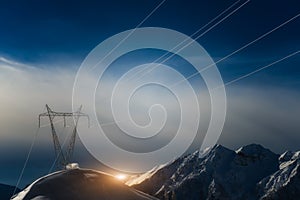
x=80, y=184
x=220, y=173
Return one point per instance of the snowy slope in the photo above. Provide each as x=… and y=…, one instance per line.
x=152, y=181
x=285, y=183
x=163, y=169
x=218, y=174
x=80, y=184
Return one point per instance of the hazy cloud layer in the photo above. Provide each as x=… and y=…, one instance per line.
x=269, y=116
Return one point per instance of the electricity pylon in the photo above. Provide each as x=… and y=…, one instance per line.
x=63, y=159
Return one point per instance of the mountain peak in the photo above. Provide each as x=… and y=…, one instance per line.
x=286, y=156
x=216, y=149
x=253, y=149
x=220, y=148
x=216, y=171
x=284, y=183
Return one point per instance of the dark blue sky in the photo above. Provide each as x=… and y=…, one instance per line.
x=61, y=33
x=47, y=32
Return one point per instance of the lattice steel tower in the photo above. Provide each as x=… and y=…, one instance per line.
x=63, y=158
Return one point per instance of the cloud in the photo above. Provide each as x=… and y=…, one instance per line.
x=255, y=114
x=24, y=92
x=265, y=115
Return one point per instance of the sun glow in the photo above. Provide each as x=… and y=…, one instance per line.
x=121, y=177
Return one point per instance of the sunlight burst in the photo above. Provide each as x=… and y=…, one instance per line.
x=120, y=177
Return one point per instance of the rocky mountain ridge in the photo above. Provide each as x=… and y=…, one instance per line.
x=249, y=173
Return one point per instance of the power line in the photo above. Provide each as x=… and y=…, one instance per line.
x=211, y=21
x=26, y=161
x=259, y=69
x=242, y=48
x=202, y=34
x=131, y=32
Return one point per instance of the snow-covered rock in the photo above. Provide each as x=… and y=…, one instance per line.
x=284, y=183
x=218, y=174
x=153, y=180
x=80, y=184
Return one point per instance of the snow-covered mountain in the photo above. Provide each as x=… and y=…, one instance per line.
x=6, y=191
x=80, y=184
x=284, y=183
x=251, y=172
